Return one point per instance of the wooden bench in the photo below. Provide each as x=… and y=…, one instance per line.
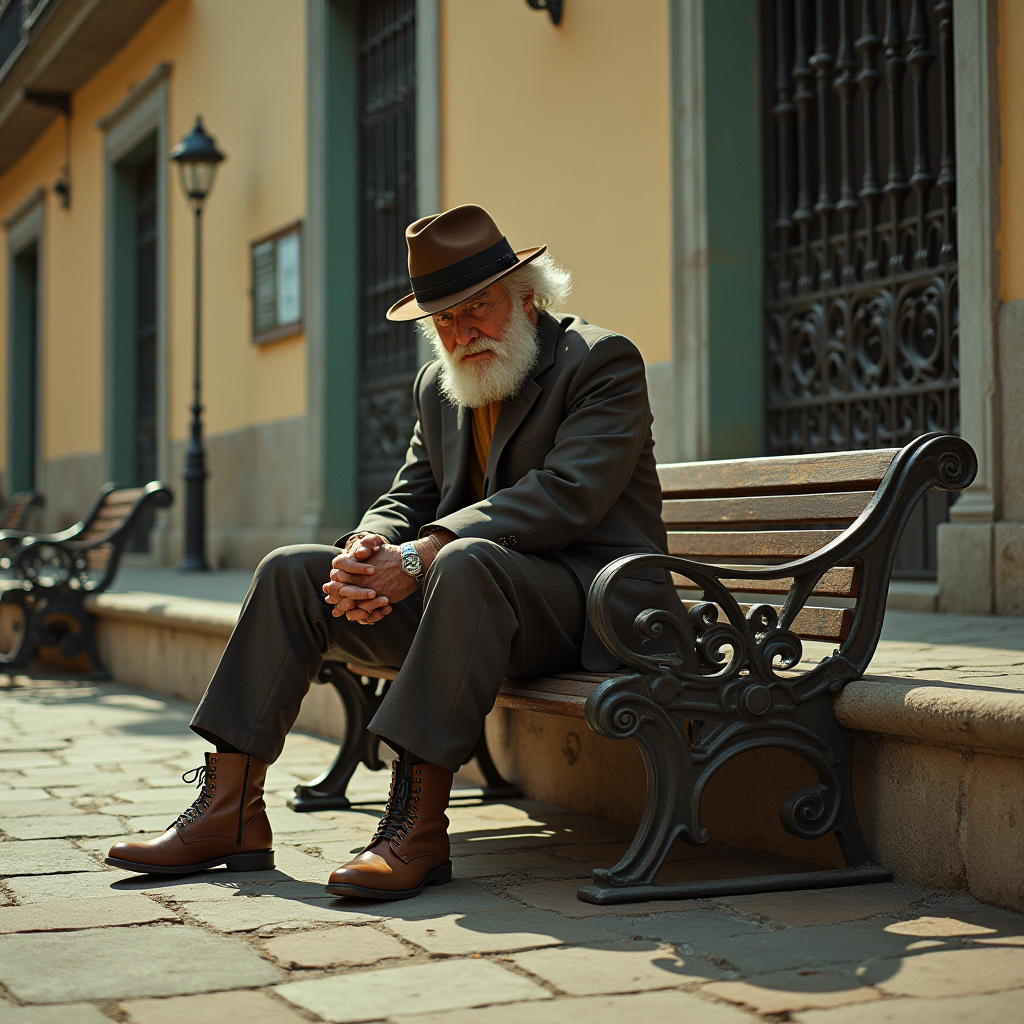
x=53, y=573
x=14, y=518
x=767, y=553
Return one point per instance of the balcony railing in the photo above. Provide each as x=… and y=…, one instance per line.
x=16, y=18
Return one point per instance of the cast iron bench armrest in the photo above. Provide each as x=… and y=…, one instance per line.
x=65, y=554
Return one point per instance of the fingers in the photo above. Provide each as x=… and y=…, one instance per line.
x=366, y=613
x=348, y=564
x=367, y=546
x=334, y=591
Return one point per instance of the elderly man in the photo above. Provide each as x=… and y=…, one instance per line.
x=531, y=466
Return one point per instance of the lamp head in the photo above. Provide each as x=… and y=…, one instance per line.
x=197, y=157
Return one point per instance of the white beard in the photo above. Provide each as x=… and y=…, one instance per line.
x=472, y=385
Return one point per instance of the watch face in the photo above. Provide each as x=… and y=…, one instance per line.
x=411, y=563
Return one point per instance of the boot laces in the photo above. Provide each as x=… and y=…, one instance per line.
x=401, y=812
x=204, y=779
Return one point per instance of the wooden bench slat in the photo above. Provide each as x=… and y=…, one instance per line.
x=786, y=474
x=839, y=582
x=123, y=496
x=768, y=509
x=748, y=543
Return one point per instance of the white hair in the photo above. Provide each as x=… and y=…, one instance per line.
x=551, y=284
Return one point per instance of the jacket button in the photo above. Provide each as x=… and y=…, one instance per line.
x=512, y=540
x=503, y=541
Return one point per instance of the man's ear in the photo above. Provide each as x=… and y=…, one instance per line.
x=528, y=302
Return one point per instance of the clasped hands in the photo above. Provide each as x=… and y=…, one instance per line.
x=367, y=578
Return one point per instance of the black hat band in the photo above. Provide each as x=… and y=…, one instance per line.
x=466, y=273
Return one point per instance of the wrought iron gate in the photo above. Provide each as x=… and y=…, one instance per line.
x=387, y=142
x=861, y=317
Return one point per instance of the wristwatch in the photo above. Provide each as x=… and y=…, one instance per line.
x=412, y=564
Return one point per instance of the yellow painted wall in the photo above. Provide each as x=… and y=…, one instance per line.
x=563, y=134
x=239, y=63
x=1011, y=114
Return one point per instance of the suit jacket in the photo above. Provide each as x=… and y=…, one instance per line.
x=570, y=476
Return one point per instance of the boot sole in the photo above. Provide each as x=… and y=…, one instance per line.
x=439, y=876
x=257, y=860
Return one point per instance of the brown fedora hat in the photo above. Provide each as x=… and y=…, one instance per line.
x=453, y=255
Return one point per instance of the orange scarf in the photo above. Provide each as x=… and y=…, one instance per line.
x=484, y=419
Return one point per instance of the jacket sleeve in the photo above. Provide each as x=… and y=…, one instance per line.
x=595, y=452
x=413, y=497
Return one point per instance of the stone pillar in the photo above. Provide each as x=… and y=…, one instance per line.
x=967, y=571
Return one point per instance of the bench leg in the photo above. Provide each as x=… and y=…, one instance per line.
x=52, y=619
x=327, y=791
x=361, y=700
x=679, y=766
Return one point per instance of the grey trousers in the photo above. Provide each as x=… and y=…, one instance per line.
x=484, y=612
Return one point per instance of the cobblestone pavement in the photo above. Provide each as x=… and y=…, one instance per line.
x=506, y=942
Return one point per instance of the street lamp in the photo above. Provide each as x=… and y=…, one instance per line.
x=197, y=157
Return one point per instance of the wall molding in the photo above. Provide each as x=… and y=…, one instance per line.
x=141, y=114
x=690, y=333
x=136, y=95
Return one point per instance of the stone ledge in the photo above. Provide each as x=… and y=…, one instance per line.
x=213, y=618
x=971, y=716
x=965, y=717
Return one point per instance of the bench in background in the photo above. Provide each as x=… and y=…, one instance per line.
x=52, y=574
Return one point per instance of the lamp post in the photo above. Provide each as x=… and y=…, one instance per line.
x=197, y=157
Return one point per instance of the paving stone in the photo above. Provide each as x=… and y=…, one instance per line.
x=561, y=897
x=496, y=931
x=647, y=1007
x=791, y=991
x=424, y=988
x=458, y=897
x=211, y=1008
x=825, y=906
x=623, y=966
x=70, y=915
x=247, y=913
x=17, y=796
x=81, y=886
x=486, y=865
x=157, y=960
x=951, y=972
x=332, y=947
x=816, y=946
x=35, y=808
x=43, y=857
x=76, y=1013
x=999, y=1008
x=19, y=761
x=690, y=927
x=60, y=826
x=223, y=885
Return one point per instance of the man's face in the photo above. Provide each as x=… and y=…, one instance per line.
x=483, y=315
x=487, y=345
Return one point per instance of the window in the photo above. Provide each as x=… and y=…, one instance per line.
x=277, y=285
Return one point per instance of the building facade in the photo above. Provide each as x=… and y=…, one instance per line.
x=806, y=216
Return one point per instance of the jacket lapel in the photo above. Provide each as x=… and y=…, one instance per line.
x=514, y=410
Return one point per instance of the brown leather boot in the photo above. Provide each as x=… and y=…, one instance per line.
x=410, y=848
x=227, y=824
